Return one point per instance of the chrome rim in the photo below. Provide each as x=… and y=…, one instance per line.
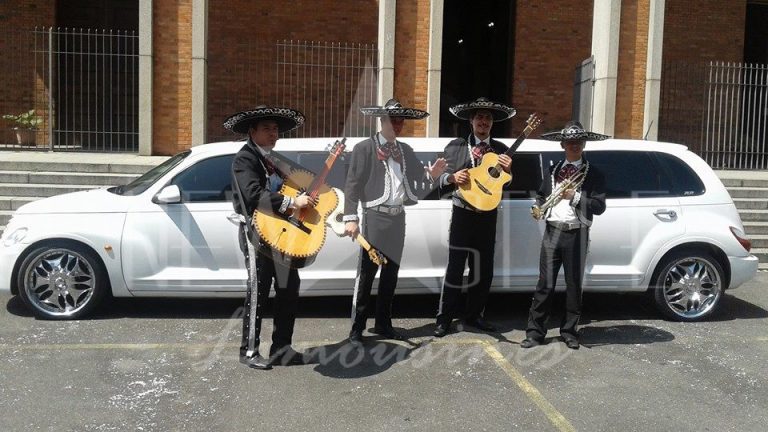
x=60, y=282
x=692, y=287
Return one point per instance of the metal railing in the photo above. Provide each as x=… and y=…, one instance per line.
x=719, y=109
x=327, y=81
x=84, y=85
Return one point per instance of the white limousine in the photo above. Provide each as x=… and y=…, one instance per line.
x=670, y=228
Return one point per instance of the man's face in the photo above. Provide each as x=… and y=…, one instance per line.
x=573, y=149
x=265, y=134
x=482, y=122
x=391, y=127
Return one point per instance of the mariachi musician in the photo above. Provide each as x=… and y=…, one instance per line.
x=569, y=197
x=258, y=174
x=472, y=235
x=381, y=178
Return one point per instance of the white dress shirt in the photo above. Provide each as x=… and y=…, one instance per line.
x=564, y=210
x=395, y=175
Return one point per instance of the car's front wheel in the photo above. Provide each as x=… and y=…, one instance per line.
x=62, y=281
x=688, y=286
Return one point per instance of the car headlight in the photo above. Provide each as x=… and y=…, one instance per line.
x=14, y=237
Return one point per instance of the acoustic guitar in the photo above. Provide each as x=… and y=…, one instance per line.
x=336, y=223
x=486, y=181
x=298, y=236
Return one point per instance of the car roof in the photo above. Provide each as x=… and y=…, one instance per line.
x=438, y=145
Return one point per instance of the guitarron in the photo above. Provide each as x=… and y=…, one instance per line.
x=486, y=181
x=298, y=236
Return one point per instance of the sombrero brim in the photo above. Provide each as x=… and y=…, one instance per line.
x=580, y=136
x=499, y=111
x=287, y=119
x=406, y=113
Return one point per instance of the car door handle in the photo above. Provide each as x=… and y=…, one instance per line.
x=665, y=212
x=236, y=218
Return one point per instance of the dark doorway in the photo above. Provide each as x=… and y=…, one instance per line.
x=756, y=34
x=478, y=48
x=95, y=83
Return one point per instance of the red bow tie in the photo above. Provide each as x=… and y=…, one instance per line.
x=481, y=149
x=388, y=150
x=566, y=172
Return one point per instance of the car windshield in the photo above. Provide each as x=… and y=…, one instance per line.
x=141, y=184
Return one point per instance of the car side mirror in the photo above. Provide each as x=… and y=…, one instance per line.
x=168, y=195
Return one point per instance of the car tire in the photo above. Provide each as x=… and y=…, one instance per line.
x=62, y=281
x=688, y=285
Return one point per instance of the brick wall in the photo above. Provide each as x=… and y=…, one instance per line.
x=551, y=40
x=23, y=87
x=243, y=58
x=172, y=76
x=411, y=59
x=633, y=58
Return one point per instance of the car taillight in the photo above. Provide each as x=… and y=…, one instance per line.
x=741, y=238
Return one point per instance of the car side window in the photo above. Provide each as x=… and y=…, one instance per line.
x=631, y=174
x=686, y=182
x=206, y=181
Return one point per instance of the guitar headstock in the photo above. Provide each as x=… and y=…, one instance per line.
x=534, y=120
x=377, y=257
x=337, y=148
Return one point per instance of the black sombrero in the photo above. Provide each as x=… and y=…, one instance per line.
x=393, y=108
x=287, y=119
x=573, y=130
x=499, y=111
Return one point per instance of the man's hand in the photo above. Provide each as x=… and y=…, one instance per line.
x=459, y=177
x=304, y=200
x=435, y=169
x=505, y=162
x=351, y=229
x=568, y=194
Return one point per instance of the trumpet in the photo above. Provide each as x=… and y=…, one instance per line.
x=573, y=182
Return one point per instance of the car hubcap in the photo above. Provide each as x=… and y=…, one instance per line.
x=692, y=287
x=60, y=282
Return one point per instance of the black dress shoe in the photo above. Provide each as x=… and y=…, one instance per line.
x=530, y=342
x=285, y=356
x=356, y=339
x=442, y=329
x=571, y=342
x=480, y=324
x=388, y=332
x=256, y=362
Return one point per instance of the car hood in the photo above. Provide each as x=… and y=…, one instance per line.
x=90, y=201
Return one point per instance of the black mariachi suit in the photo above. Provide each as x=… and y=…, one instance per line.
x=249, y=169
x=368, y=183
x=472, y=240
x=567, y=248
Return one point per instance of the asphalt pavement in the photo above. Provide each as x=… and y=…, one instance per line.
x=169, y=364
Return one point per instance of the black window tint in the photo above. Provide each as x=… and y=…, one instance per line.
x=631, y=174
x=315, y=162
x=421, y=187
x=684, y=179
x=526, y=176
x=207, y=180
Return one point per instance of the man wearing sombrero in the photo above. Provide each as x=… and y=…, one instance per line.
x=381, y=175
x=472, y=235
x=257, y=178
x=568, y=211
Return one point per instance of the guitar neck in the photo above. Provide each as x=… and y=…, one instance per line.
x=363, y=242
x=523, y=135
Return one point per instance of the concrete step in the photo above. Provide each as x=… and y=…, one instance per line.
x=759, y=241
x=737, y=182
x=27, y=190
x=754, y=215
x=762, y=256
x=14, y=202
x=751, y=203
x=748, y=192
x=49, y=177
x=81, y=167
x=752, y=228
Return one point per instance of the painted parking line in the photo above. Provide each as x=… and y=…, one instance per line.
x=554, y=416
x=531, y=392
